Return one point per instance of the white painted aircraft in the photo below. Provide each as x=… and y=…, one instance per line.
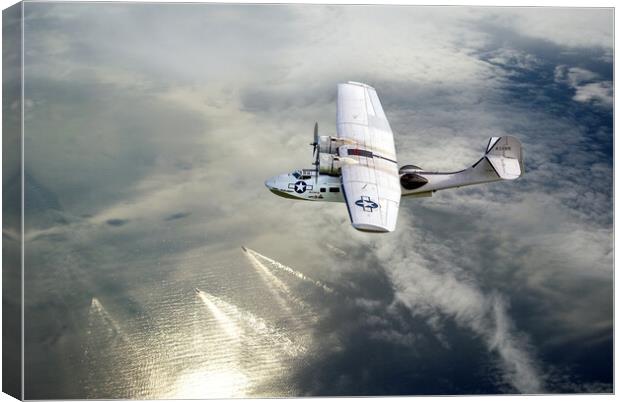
x=359, y=166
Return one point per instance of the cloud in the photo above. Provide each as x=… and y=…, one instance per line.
x=448, y=290
x=567, y=26
x=117, y=222
x=513, y=58
x=587, y=84
x=597, y=92
x=178, y=215
x=573, y=75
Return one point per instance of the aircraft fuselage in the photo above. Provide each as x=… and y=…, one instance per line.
x=304, y=185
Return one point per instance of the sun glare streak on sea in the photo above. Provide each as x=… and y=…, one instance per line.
x=290, y=271
x=199, y=327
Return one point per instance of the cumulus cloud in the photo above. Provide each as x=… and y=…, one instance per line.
x=587, y=84
x=573, y=75
x=598, y=92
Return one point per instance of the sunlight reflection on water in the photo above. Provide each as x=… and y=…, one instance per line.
x=212, y=331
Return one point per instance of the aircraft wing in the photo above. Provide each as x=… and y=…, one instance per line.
x=370, y=180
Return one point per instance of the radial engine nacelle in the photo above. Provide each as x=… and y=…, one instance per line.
x=329, y=145
x=329, y=164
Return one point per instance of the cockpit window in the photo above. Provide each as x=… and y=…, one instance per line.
x=296, y=175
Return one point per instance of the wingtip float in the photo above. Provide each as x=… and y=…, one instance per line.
x=358, y=166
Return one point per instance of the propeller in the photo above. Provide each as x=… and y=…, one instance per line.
x=315, y=153
x=315, y=143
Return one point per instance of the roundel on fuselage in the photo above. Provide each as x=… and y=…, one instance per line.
x=300, y=187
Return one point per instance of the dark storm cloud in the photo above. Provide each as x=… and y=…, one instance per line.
x=156, y=116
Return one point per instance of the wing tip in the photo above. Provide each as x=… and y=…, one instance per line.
x=368, y=228
x=359, y=84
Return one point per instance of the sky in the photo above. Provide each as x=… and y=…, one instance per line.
x=150, y=129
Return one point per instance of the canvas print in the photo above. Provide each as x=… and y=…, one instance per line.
x=261, y=200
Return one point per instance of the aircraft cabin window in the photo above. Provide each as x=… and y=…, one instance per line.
x=305, y=177
x=334, y=189
x=322, y=189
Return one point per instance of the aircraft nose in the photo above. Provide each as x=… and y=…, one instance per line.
x=270, y=183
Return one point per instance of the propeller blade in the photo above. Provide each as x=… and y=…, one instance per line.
x=316, y=138
x=316, y=132
x=315, y=153
x=316, y=173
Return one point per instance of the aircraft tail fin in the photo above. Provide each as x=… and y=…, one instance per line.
x=502, y=160
x=504, y=154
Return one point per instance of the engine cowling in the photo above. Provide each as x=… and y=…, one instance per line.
x=329, y=145
x=329, y=164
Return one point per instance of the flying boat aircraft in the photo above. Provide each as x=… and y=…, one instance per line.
x=359, y=166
